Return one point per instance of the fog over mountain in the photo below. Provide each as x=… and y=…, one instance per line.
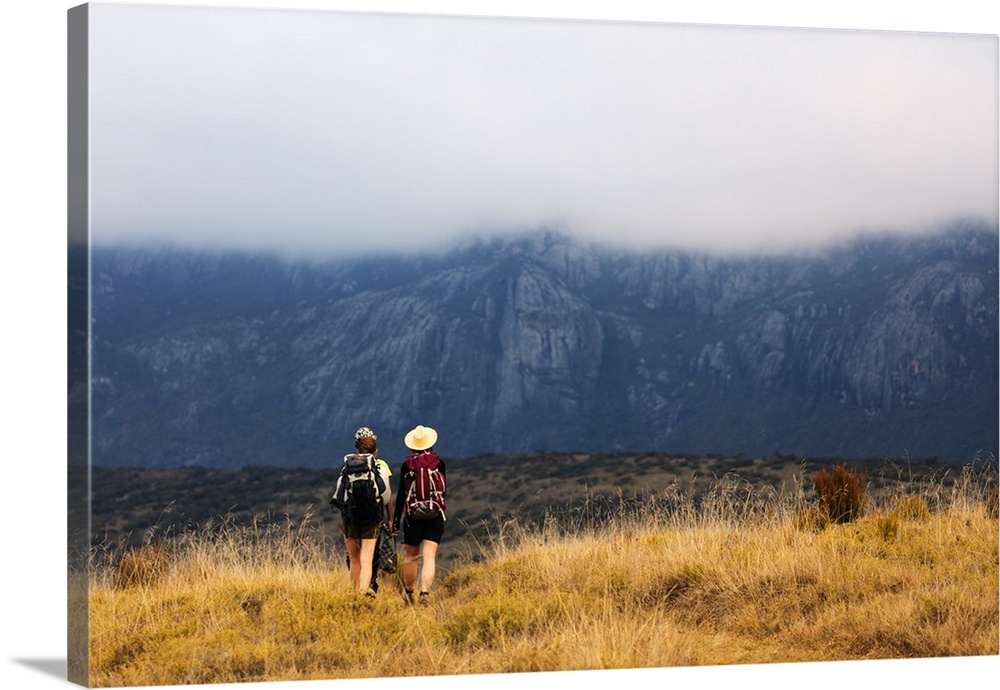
x=881, y=347
x=318, y=133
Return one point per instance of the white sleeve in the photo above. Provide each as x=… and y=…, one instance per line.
x=387, y=494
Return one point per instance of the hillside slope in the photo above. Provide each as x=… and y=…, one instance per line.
x=672, y=584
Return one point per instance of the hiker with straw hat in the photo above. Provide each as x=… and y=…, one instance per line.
x=420, y=511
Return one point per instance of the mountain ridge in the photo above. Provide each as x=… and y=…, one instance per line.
x=884, y=346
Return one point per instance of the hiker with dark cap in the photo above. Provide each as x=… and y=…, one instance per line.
x=365, y=500
x=420, y=510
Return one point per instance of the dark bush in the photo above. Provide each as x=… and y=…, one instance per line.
x=841, y=492
x=141, y=566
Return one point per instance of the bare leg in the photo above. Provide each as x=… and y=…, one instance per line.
x=365, y=565
x=410, y=555
x=354, y=552
x=428, y=566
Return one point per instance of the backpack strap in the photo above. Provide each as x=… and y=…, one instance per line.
x=379, y=481
x=376, y=472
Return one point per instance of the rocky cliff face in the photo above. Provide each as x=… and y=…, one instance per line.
x=883, y=348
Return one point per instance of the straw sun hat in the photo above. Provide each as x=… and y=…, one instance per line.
x=421, y=438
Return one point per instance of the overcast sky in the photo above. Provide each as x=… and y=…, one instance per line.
x=314, y=131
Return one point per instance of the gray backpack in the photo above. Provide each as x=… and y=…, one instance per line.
x=359, y=490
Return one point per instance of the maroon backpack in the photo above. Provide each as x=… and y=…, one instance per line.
x=425, y=487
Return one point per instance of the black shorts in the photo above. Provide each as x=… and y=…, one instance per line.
x=352, y=531
x=415, y=531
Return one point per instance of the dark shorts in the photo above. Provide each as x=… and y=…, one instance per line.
x=360, y=531
x=415, y=531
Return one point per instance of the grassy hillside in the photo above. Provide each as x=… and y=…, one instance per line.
x=733, y=572
x=132, y=505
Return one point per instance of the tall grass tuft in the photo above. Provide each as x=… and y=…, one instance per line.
x=841, y=493
x=141, y=566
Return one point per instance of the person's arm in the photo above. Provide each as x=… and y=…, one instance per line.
x=398, y=504
x=387, y=497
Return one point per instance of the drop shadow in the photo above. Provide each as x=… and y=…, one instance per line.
x=50, y=667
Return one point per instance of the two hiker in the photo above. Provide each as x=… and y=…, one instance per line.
x=367, y=505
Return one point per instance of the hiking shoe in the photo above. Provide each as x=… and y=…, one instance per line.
x=370, y=593
x=408, y=597
x=424, y=599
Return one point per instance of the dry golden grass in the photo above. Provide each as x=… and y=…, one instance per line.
x=142, y=565
x=736, y=576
